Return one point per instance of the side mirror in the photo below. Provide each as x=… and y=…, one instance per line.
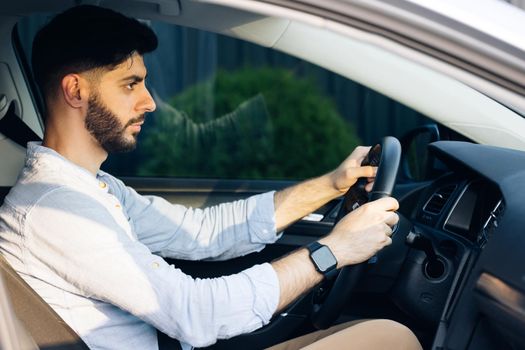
x=417, y=162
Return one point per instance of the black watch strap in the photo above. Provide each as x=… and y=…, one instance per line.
x=312, y=247
x=322, y=258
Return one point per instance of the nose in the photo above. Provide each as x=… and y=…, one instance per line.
x=148, y=103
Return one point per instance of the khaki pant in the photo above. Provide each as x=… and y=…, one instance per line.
x=356, y=335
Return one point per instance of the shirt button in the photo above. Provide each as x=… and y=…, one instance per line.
x=117, y=205
x=102, y=184
x=155, y=265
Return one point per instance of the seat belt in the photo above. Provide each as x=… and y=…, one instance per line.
x=13, y=127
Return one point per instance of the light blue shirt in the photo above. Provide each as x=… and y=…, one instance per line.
x=91, y=247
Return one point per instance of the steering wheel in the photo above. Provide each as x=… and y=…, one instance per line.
x=329, y=301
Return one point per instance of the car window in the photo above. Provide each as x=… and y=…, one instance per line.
x=231, y=109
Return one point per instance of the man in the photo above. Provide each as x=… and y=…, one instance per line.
x=91, y=247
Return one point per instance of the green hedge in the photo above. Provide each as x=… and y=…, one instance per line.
x=271, y=124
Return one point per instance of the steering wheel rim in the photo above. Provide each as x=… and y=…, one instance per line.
x=329, y=308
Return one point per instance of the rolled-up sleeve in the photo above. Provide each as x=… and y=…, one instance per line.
x=219, y=232
x=89, y=252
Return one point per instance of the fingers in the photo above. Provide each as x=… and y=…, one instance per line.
x=385, y=203
x=387, y=230
x=360, y=153
x=350, y=169
x=391, y=218
x=362, y=171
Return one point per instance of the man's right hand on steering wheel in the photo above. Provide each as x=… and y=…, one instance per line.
x=350, y=170
x=363, y=232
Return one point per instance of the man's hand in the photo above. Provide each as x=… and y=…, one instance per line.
x=350, y=170
x=363, y=232
x=295, y=202
x=356, y=238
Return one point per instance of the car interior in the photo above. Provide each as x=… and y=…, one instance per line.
x=453, y=274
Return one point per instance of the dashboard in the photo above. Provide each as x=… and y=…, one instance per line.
x=465, y=271
x=467, y=207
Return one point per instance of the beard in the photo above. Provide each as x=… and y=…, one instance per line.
x=106, y=128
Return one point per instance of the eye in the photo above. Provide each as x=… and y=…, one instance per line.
x=130, y=86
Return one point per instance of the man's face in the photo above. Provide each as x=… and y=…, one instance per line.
x=115, y=124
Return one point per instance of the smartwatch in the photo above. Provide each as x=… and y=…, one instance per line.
x=322, y=257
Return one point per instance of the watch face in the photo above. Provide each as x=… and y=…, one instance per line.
x=324, y=259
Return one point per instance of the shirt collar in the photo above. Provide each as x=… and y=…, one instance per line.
x=37, y=153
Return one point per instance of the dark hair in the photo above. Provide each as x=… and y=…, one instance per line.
x=83, y=38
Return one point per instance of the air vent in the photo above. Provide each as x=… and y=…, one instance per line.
x=437, y=201
x=491, y=223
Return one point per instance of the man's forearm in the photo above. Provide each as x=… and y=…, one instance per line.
x=297, y=201
x=296, y=274
x=293, y=203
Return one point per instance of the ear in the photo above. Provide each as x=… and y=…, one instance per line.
x=74, y=89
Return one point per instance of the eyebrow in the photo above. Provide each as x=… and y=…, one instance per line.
x=134, y=78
